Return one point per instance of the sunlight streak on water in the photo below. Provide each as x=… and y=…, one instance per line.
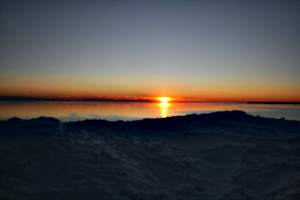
x=164, y=109
x=74, y=111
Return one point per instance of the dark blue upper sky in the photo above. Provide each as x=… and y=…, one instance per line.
x=207, y=50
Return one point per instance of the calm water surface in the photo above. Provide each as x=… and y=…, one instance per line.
x=74, y=111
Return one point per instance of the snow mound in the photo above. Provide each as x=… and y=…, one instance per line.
x=217, y=156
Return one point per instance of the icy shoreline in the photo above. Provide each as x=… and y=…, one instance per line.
x=222, y=155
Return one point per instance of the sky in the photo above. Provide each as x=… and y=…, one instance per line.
x=216, y=51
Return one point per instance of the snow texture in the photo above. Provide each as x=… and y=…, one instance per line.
x=219, y=156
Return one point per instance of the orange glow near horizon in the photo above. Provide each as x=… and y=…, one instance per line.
x=217, y=97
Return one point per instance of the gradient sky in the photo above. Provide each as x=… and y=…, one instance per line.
x=200, y=50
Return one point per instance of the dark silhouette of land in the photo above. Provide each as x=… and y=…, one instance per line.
x=20, y=98
x=91, y=99
x=273, y=102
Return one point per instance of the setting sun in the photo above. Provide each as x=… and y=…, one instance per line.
x=164, y=99
x=164, y=105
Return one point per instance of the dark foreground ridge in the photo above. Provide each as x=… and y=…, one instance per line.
x=218, y=156
x=225, y=121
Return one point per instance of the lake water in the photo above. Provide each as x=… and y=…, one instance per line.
x=74, y=111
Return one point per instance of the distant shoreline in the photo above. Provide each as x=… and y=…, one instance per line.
x=17, y=98
x=273, y=102
x=74, y=100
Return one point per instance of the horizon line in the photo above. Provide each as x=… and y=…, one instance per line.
x=146, y=100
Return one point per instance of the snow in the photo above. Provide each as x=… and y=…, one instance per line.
x=217, y=156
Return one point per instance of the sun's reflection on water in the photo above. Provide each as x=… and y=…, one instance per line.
x=164, y=109
x=74, y=111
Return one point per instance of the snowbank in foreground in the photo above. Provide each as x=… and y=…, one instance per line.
x=223, y=155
